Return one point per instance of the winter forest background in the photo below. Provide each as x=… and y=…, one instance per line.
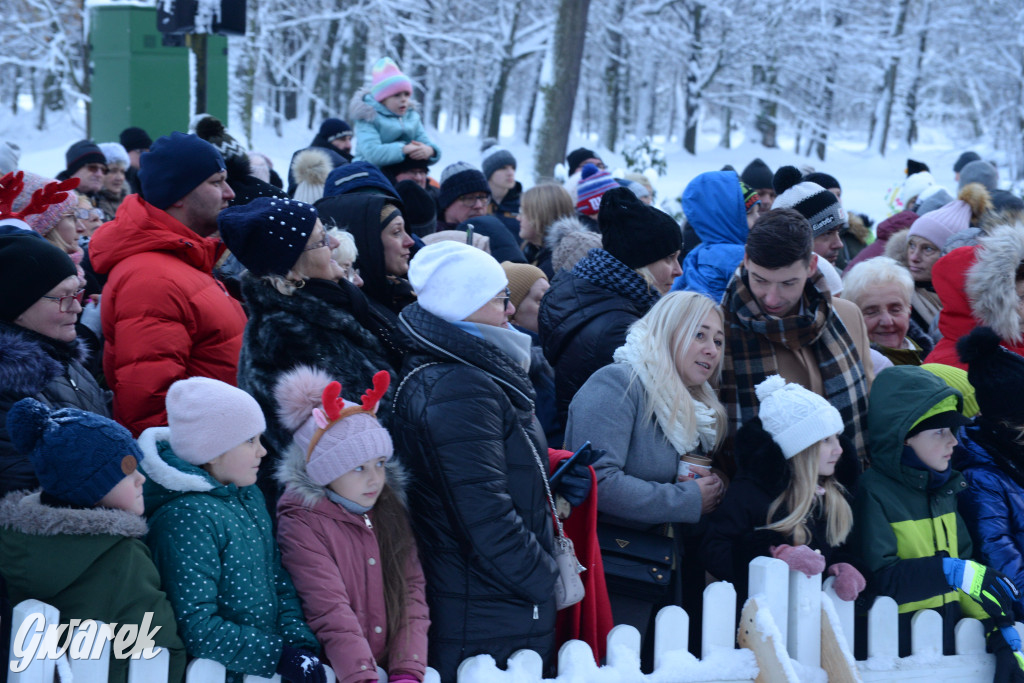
x=690, y=73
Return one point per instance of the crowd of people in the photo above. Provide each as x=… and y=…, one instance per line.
x=363, y=418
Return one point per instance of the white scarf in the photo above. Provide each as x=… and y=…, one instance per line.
x=683, y=441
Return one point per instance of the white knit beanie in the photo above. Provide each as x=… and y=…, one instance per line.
x=795, y=417
x=453, y=280
x=208, y=418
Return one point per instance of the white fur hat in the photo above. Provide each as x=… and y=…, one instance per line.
x=914, y=185
x=208, y=418
x=795, y=417
x=115, y=153
x=453, y=280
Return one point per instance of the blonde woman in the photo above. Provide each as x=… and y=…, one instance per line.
x=789, y=498
x=542, y=206
x=646, y=410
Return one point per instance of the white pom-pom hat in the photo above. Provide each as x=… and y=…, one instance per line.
x=795, y=417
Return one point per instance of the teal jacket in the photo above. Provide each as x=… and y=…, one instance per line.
x=901, y=529
x=214, y=546
x=381, y=134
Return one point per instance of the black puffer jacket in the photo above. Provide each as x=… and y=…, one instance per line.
x=50, y=372
x=476, y=499
x=317, y=326
x=733, y=539
x=581, y=325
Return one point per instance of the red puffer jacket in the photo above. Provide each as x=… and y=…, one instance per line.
x=164, y=315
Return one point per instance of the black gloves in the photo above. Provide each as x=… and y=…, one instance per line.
x=300, y=666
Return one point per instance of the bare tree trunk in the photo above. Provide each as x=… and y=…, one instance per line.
x=881, y=118
x=613, y=76
x=560, y=96
x=508, y=61
x=915, y=85
x=693, y=90
x=767, y=124
x=533, y=101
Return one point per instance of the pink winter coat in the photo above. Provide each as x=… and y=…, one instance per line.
x=334, y=560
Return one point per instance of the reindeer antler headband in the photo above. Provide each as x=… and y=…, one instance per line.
x=12, y=185
x=334, y=409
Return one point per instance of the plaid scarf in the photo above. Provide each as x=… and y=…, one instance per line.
x=750, y=357
x=606, y=271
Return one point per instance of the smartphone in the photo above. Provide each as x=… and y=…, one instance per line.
x=566, y=464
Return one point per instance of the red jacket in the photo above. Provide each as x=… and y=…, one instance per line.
x=164, y=315
x=334, y=561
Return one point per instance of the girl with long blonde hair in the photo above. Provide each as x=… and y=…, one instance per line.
x=790, y=496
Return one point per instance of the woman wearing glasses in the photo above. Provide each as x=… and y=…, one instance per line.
x=40, y=356
x=302, y=311
x=463, y=424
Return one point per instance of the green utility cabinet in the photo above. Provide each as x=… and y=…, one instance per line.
x=138, y=81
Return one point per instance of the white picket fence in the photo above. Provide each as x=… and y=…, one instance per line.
x=783, y=622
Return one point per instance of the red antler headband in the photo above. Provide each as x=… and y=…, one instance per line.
x=334, y=409
x=12, y=184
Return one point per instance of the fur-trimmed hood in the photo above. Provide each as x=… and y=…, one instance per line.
x=26, y=365
x=362, y=107
x=167, y=475
x=22, y=511
x=560, y=228
x=990, y=281
x=759, y=459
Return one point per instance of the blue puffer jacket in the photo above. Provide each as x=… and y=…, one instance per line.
x=713, y=204
x=993, y=504
x=381, y=134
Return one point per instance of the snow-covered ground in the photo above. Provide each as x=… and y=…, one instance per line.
x=865, y=177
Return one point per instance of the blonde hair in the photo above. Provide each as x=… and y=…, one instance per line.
x=666, y=332
x=800, y=500
x=645, y=273
x=545, y=204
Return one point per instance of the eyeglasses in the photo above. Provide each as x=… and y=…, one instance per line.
x=319, y=245
x=64, y=302
x=473, y=199
x=96, y=168
x=504, y=299
x=86, y=214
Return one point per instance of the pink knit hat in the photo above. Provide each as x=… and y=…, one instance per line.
x=337, y=436
x=45, y=221
x=208, y=418
x=939, y=225
x=388, y=80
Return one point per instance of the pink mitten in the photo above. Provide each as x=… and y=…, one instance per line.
x=403, y=678
x=800, y=559
x=849, y=582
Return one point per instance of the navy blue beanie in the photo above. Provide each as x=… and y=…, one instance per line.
x=358, y=176
x=175, y=165
x=77, y=456
x=267, y=235
x=334, y=128
x=457, y=180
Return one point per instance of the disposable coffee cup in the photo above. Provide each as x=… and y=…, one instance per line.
x=694, y=466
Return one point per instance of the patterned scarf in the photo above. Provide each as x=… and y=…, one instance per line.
x=750, y=356
x=608, y=272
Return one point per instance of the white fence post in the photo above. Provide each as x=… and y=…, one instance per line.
x=883, y=628
x=672, y=632
x=770, y=577
x=93, y=668
x=623, y=649
x=804, y=642
x=926, y=633
x=40, y=614
x=719, y=623
x=843, y=610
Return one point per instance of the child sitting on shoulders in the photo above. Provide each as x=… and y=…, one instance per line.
x=212, y=537
x=344, y=532
x=789, y=498
x=388, y=127
x=77, y=543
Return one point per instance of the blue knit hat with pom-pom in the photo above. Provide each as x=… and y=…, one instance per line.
x=78, y=456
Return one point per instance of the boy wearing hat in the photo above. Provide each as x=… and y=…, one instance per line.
x=906, y=526
x=88, y=514
x=212, y=538
x=499, y=167
x=165, y=317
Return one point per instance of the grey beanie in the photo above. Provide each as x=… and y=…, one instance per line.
x=495, y=157
x=979, y=172
x=935, y=197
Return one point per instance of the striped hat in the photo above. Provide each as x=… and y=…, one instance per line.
x=593, y=184
x=388, y=80
x=819, y=206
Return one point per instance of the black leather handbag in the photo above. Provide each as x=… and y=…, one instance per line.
x=637, y=563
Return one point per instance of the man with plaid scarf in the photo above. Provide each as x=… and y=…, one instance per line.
x=780, y=318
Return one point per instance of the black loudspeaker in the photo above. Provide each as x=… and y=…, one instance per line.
x=182, y=18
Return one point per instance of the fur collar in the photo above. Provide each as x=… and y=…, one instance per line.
x=26, y=365
x=990, y=281
x=162, y=473
x=291, y=473
x=759, y=459
x=23, y=512
x=361, y=110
